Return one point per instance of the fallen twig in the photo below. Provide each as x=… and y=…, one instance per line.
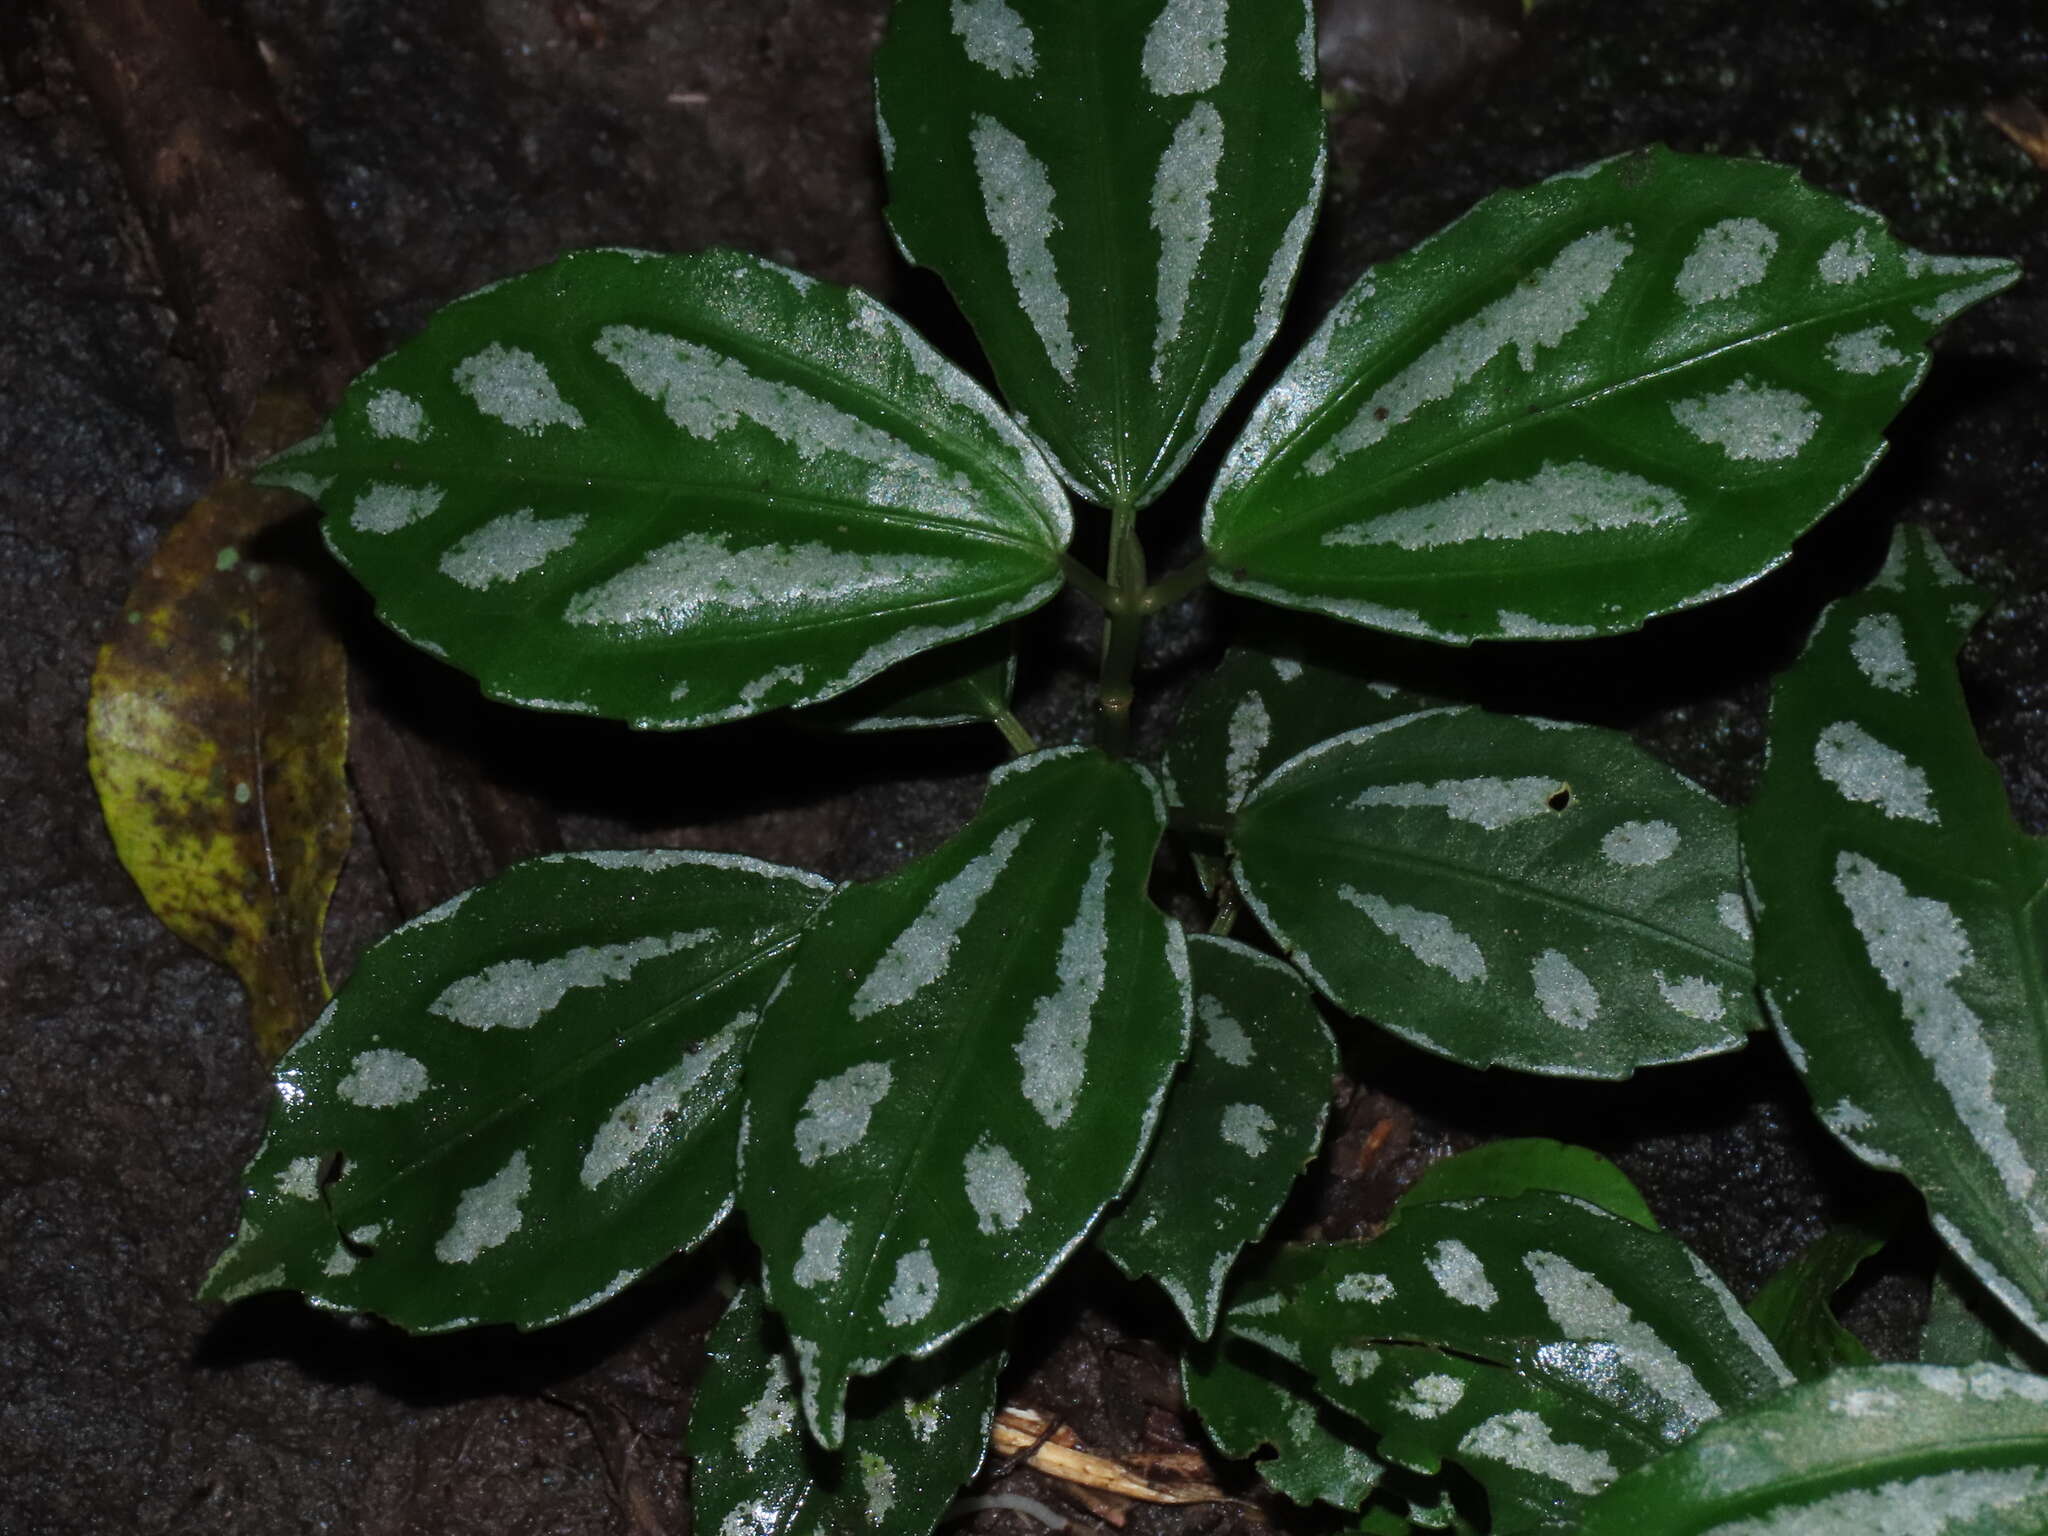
x=2025, y=124
x=1054, y=1451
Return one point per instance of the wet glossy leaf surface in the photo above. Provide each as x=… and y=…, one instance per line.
x=1886, y=1448
x=1904, y=919
x=679, y=489
x=1621, y=392
x=1245, y=1403
x=1253, y=713
x=913, y=1436
x=1542, y=1344
x=961, y=684
x=1506, y=891
x=967, y=1065
x=1117, y=195
x=525, y=1098
x=1242, y=1120
x=217, y=736
x=1522, y=1164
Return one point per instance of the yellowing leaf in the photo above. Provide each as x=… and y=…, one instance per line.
x=218, y=733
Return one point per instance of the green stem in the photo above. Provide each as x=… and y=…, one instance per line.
x=1090, y=585
x=1021, y=741
x=1171, y=588
x=1122, y=630
x=1226, y=910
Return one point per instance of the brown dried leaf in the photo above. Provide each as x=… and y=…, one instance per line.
x=218, y=735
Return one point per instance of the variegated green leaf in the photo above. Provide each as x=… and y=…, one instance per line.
x=679, y=489
x=913, y=1436
x=1521, y=1164
x=1241, y=1122
x=1924, y=1449
x=1252, y=714
x=966, y=683
x=1506, y=891
x=524, y=1098
x=1966, y=1326
x=1246, y=1403
x=1621, y=392
x=968, y=1063
x=1539, y=1342
x=1118, y=194
x=1902, y=921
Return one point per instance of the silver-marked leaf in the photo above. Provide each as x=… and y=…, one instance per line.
x=1320, y=1456
x=1524, y=1163
x=1242, y=1121
x=679, y=489
x=1542, y=1343
x=1905, y=1448
x=1902, y=921
x=913, y=1436
x=966, y=683
x=1118, y=195
x=1253, y=713
x=1619, y=393
x=964, y=1069
x=1506, y=891
x=524, y=1098
x=1966, y=1326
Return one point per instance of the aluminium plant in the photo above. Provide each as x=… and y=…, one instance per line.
x=676, y=490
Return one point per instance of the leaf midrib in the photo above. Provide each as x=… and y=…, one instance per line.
x=574, y=1067
x=1541, y=895
x=960, y=1060
x=1385, y=486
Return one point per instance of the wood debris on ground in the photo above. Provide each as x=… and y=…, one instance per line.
x=1177, y=1477
x=2025, y=124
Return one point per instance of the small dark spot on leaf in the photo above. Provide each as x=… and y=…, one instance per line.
x=1560, y=797
x=1380, y=413
x=332, y=1170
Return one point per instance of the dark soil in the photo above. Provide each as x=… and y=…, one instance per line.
x=447, y=145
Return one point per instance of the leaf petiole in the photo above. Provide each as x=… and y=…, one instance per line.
x=1126, y=625
x=1087, y=583
x=1022, y=742
x=1168, y=590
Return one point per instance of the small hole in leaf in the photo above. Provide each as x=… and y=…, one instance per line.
x=1560, y=797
